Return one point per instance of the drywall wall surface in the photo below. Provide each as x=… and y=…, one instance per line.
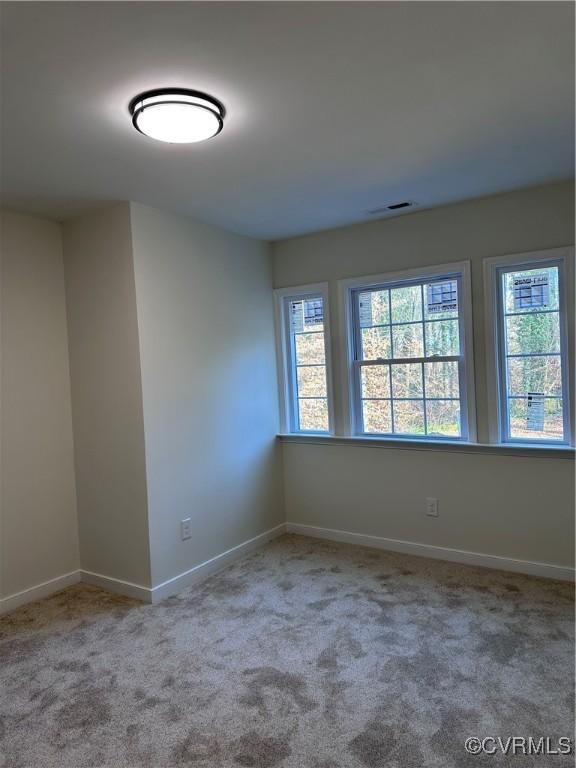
x=525, y=220
x=38, y=506
x=205, y=318
x=107, y=395
x=512, y=507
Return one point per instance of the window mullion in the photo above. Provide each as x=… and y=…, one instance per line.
x=410, y=360
x=294, y=416
x=356, y=383
x=422, y=364
x=392, y=424
x=502, y=351
x=535, y=354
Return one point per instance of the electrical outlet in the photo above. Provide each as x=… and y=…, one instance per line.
x=186, y=528
x=432, y=507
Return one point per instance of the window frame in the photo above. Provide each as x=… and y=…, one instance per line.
x=350, y=365
x=286, y=362
x=494, y=267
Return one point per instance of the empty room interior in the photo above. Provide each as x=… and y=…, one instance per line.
x=287, y=385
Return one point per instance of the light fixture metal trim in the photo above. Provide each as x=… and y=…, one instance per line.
x=180, y=96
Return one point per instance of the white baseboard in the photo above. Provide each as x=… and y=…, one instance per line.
x=545, y=570
x=118, y=586
x=217, y=563
x=212, y=566
x=137, y=591
x=182, y=580
x=45, y=589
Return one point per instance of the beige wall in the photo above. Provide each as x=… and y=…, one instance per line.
x=512, y=507
x=209, y=384
x=391, y=486
x=107, y=396
x=38, y=503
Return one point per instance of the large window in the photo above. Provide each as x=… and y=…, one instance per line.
x=408, y=365
x=302, y=321
x=531, y=350
x=407, y=354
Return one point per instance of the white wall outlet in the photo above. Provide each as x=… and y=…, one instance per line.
x=432, y=507
x=186, y=528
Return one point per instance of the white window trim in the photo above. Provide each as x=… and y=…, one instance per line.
x=346, y=287
x=565, y=256
x=284, y=373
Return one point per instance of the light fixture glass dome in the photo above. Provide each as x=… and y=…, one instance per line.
x=177, y=115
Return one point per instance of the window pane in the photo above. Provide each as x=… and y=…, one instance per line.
x=531, y=290
x=531, y=333
x=313, y=414
x=375, y=343
x=397, y=397
x=541, y=423
x=443, y=417
x=311, y=381
x=313, y=314
x=532, y=359
x=376, y=416
x=408, y=340
x=375, y=380
x=441, y=300
x=409, y=417
x=307, y=364
x=373, y=308
x=306, y=315
x=406, y=304
x=534, y=374
x=441, y=379
x=442, y=338
x=309, y=348
x=407, y=380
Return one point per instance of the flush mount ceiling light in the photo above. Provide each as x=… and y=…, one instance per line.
x=177, y=115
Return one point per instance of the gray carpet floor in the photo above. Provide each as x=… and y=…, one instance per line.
x=305, y=654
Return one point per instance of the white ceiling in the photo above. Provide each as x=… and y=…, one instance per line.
x=334, y=108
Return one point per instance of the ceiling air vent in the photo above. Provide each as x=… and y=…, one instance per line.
x=393, y=207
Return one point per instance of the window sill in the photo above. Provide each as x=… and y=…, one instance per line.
x=447, y=446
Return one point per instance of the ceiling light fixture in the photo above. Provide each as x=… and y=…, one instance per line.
x=177, y=115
